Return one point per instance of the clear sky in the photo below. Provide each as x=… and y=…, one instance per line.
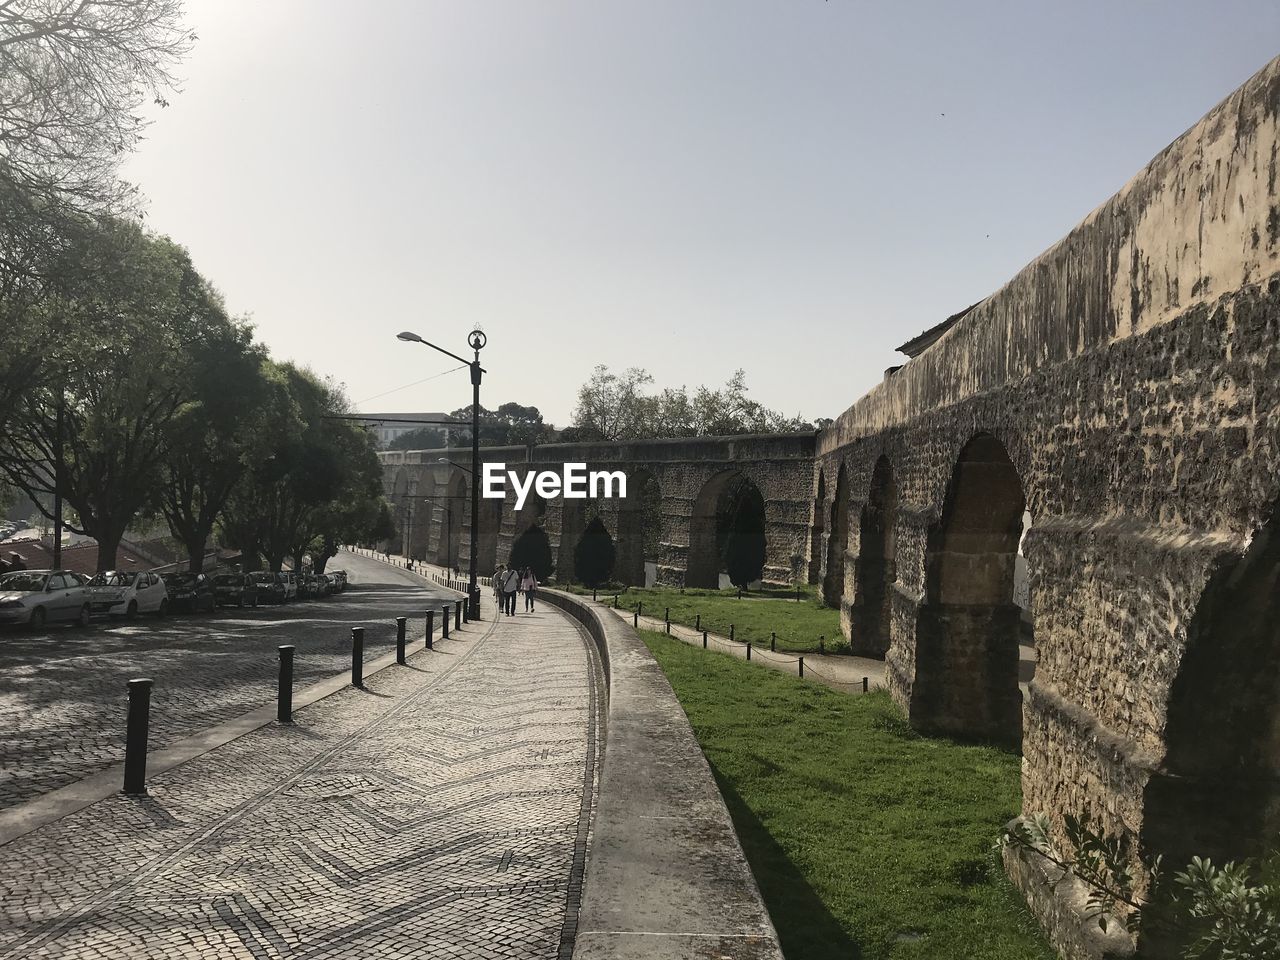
x=792, y=187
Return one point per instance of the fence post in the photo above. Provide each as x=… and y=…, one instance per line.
x=802, y=666
x=864, y=684
x=400, y=622
x=135, y=743
x=444, y=623
x=357, y=656
x=457, y=615
x=697, y=621
x=635, y=619
x=731, y=633
x=593, y=594
x=748, y=651
x=615, y=601
x=666, y=618
x=822, y=643
x=284, y=685
x=639, y=607
x=431, y=627
x=704, y=639
x=773, y=641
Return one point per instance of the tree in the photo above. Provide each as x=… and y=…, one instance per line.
x=594, y=556
x=130, y=309
x=421, y=438
x=211, y=440
x=73, y=75
x=532, y=549
x=615, y=407
x=511, y=423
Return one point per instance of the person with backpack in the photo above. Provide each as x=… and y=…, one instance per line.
x=510, y=584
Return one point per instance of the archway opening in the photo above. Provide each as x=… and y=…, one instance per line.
x=574, y=515
x=727, y=533
x=875, y=571
x=449, y=509
x=967, y=631
x=837, y=542
x=594, y=555
x=639, y=530
x=815, y=533
x=1217, y=793
x=532, y=549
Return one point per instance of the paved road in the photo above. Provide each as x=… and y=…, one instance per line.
x=62, y=700
x=443, y=812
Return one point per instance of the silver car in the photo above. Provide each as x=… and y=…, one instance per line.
x=36, y=597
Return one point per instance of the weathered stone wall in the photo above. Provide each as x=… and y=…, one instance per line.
x=1132, y=374
x=780, y=466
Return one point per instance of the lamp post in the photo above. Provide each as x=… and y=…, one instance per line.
x=476, y=340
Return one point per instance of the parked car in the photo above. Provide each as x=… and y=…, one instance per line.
x=290, y=584
x=236, y=589
x=127, y=593
x=35, y=597
x=271, y=586
x=318, y=585
x=190, y=591
x=340, y=578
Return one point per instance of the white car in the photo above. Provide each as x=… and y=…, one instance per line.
x=35, y=597
x=126, y=593
x=290, y=585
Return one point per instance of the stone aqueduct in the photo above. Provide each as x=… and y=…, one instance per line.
x=1120, y=392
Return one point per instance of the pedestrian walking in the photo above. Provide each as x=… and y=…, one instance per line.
x=497, y=588
x=510, y=584
x=529, y=584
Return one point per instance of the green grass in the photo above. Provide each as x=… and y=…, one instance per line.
x=868, y=841
x=798, y=625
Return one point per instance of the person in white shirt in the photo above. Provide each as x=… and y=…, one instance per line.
x=510, y=584
x=529, y=584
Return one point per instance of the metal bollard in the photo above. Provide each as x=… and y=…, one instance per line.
x=704, y=639
x=697, y=621
x=773, y=641
x=635, y=619
x=666, y=615
x=431, y=628
x=864, y=684
x=615, y=601
x=822, y=643
x=731, y=633
x=639, y=607
x=400, y=622
x=357, y=656
x=457, y=614
x=135, y=743
x=444, y=623
x=284, y=685
x=802, y=666
x=748, y=651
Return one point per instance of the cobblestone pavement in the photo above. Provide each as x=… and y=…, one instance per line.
x=62, y=692
x=443, y=812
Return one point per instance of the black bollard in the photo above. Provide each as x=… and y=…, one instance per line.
x=639, y=607
x=822, y=644
x=431, y=627
x=615, y=601
x=802, y=666
x=135, y=744
x=773, y=641
x=400, y=622
x=357, y=656
x=444, y=623
x=284, y=686
x=457, y=614
x=864, y=684
x=635, y=619
x=731, y=633
x=704, y=639
x=667, y=615
x=748, y=651
x=697, y=621
x=593, y=594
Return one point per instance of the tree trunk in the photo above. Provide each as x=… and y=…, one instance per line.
x=108, y=547
x=195, y=554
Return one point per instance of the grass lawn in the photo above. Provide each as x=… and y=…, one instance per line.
x=868, y=841
x=798, y=624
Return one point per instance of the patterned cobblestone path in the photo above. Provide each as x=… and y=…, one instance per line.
x=442, y=812
x=62, y=690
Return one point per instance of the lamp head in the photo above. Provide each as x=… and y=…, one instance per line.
x=410, y=336
x=476, y=339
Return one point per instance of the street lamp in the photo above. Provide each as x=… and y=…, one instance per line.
x=476, y=341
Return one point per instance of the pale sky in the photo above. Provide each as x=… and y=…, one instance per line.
x=791, y=187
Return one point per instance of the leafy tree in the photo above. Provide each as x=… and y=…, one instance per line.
x=594, y=555
x=510, y=424
x=616, y=407
x=532, y=549
x=130, y=310
x=422, y=438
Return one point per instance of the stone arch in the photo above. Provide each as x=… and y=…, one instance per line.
x=728, y=502
x=966, y=678
x=575, y=514
x=817, y=529
x=837, y=542
x=875, y=571
x=639, y=529
x=450, y=508
x=1217, y=792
